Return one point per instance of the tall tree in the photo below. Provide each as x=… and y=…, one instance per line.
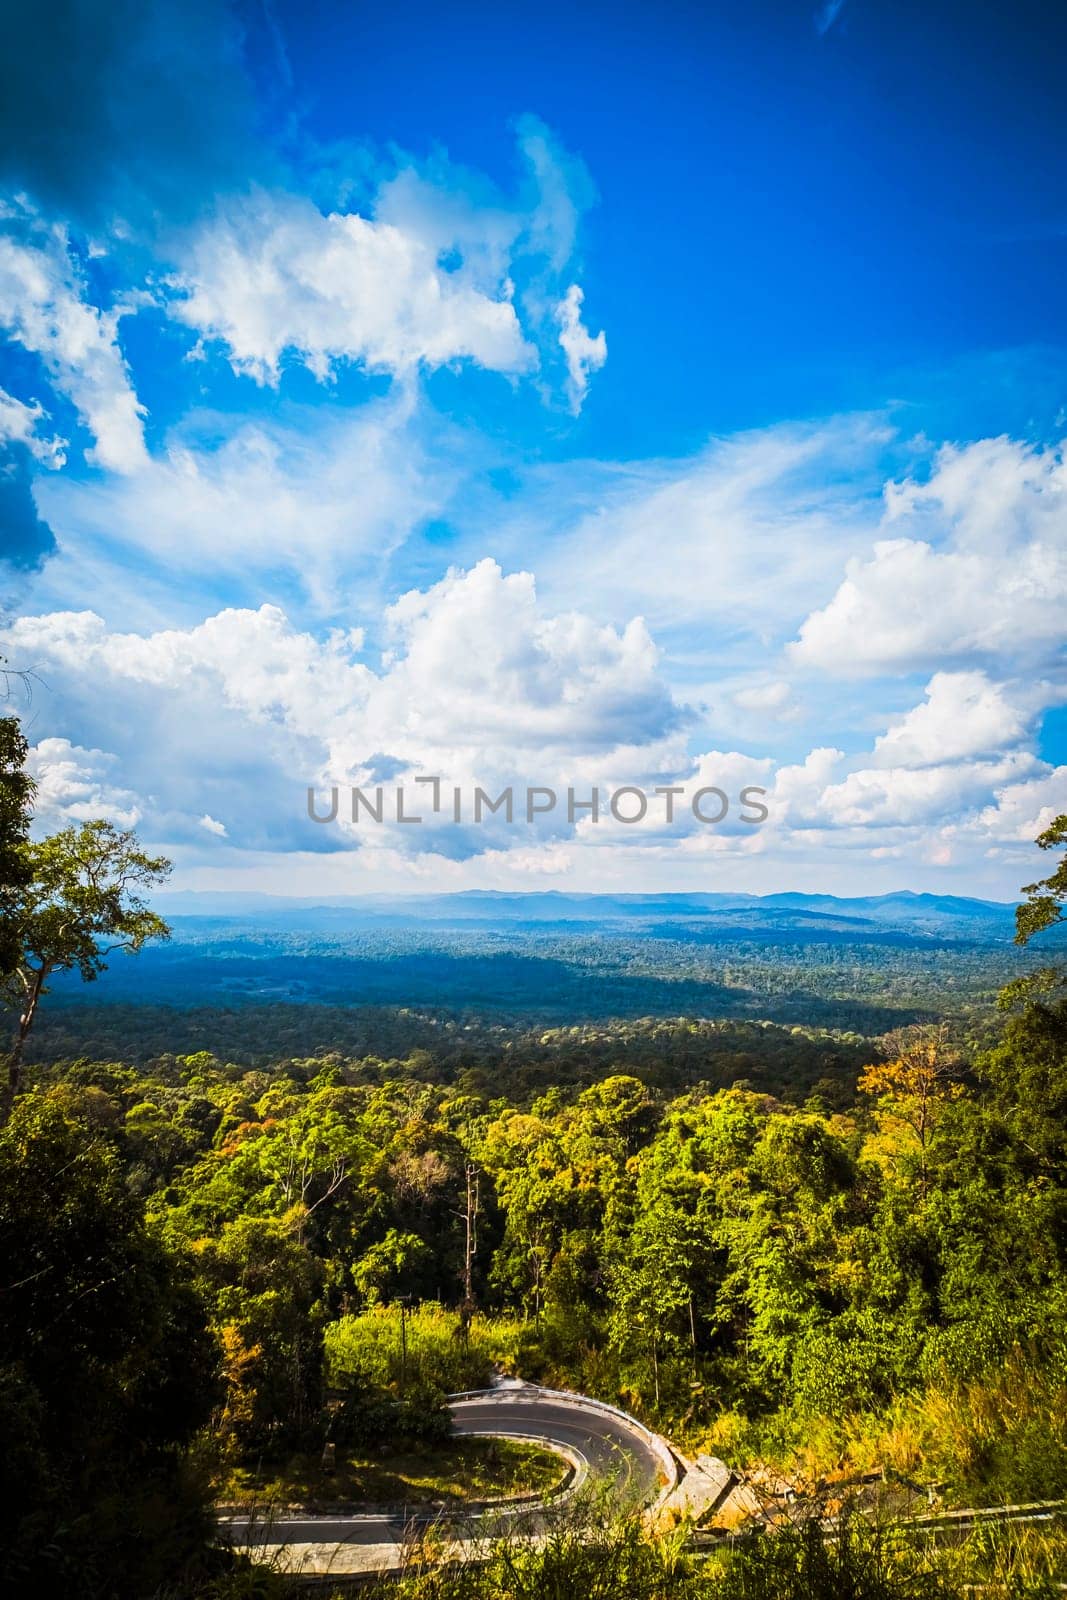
x=1043, y=906
x=1028, y=1068
x=16, y=796
x=82, y=902
x=917, y=1080
x=106, y=1372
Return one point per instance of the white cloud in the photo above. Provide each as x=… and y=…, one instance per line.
x=584, y=353
x=988, y=581
x=18, y=425
x=442, y=268
x=478, y=664
x=772, y=701
x=898, y=796
x=799, y=788
x=670, y=820
x=44, y=306
x=206, y=720
x=480, y=684
x=741, y=539
x=947, y=757
x=963, y=715
x=488, y=677
x=259, y=664
x=76, y=785
x=270, y=276
x=324, y=497
x=1023, y=810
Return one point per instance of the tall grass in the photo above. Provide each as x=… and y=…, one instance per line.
x=617, y=1559
x=984, y=1441
x=433, y=1349
x=588, y=1553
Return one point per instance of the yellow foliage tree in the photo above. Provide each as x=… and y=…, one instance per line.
x=914, y=1083
x=240, y=1366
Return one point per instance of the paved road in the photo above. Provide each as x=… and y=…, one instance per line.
x=615, y=1451
x=610, y=1451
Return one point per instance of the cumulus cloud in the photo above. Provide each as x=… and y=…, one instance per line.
x=1023, y=810
x=799, y=788
x=440, y=269
x=478, y=663
x=225, y=702
x=475, y=667
x=270, y=276
x=254, y=661
x=584, y=353
x=479, y=683
x=947, y=757
x=987, y=580
x=894, y=796
x=76, y=785
x=963, y=715
x=697, y=797
x=485, y=676
x=44, y=306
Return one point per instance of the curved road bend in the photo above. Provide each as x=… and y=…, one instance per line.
x=615, y=1454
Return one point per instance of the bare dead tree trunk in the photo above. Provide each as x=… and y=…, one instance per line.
x=469, y=1217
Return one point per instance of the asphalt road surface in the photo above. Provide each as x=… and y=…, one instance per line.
x=615, y=1454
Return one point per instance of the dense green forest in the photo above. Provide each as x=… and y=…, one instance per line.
x=716, y=1259
x=851, y=975
x=482, y=1055
x=823, y=1251
x=827, y=1288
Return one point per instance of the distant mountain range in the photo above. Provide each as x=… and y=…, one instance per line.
x=940, y=915
x=860, y=964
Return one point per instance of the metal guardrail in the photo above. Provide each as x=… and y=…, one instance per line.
x=234, y=1516
x=1038, y=1509
x=237, y=1520
x=981, y=1516
x=933, y=1523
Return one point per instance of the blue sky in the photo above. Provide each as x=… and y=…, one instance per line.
x=578, y=396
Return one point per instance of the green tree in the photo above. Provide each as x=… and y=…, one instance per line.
x=1043, y=906
x=106, y=1371
x=262, y=1286
x=82, y=903
x=654, y=1290
x=1027, y=1075
x=396, y=1265
x=16, y=795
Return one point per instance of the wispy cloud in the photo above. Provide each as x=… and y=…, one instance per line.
x=828, y=15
